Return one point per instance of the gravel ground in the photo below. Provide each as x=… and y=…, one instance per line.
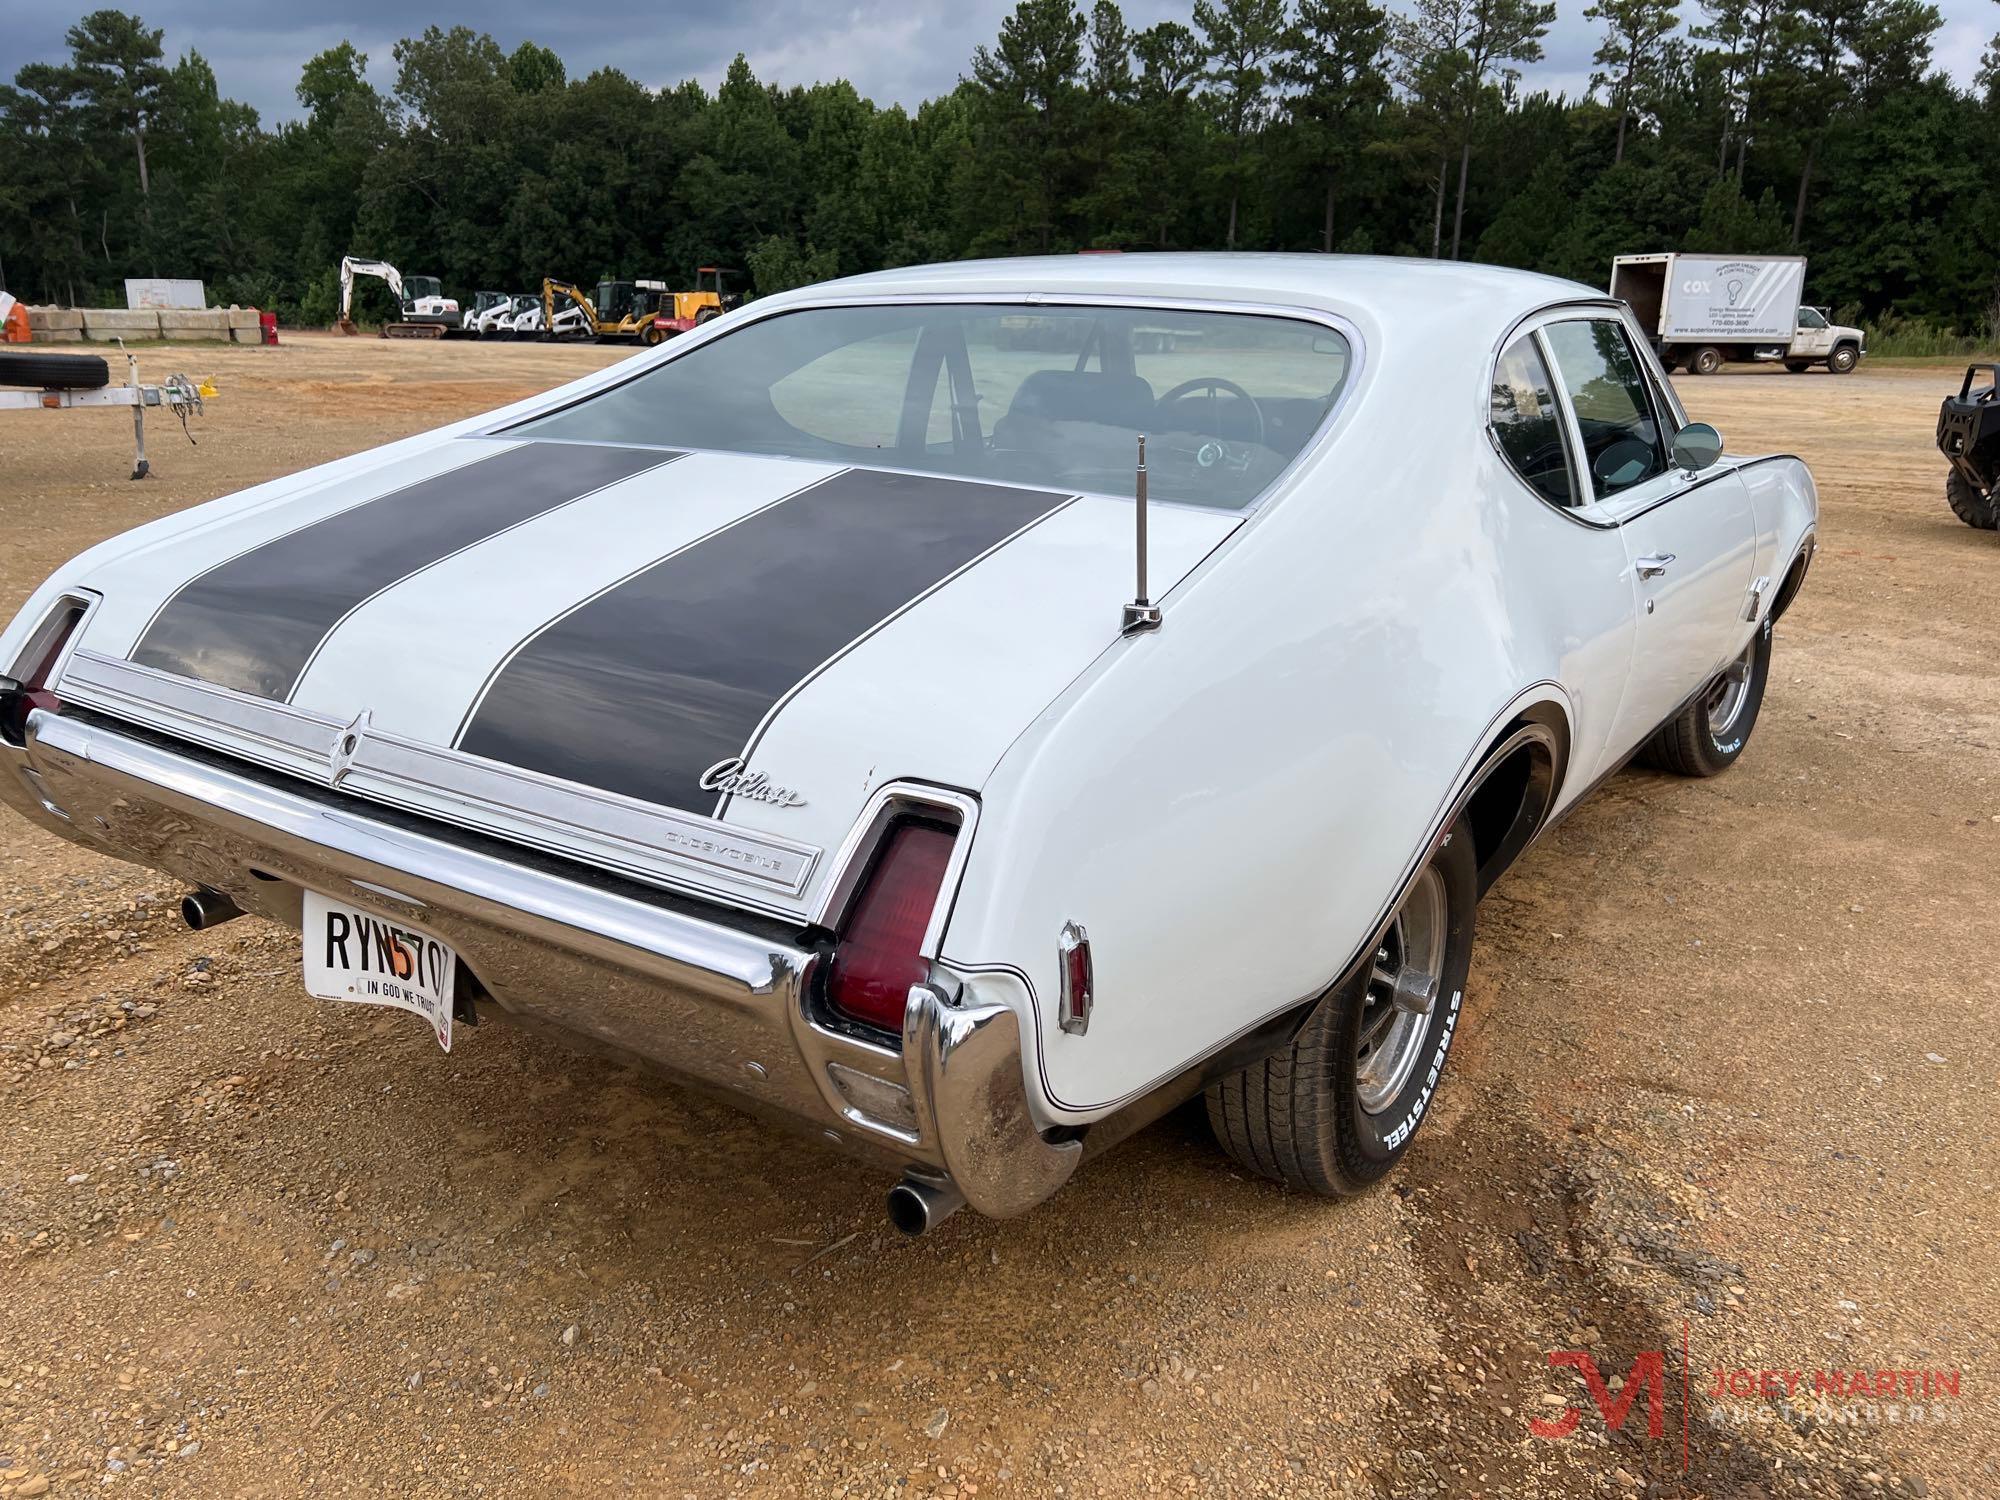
x=1725, y=1084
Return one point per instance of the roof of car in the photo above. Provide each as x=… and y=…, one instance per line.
x=1389, y=288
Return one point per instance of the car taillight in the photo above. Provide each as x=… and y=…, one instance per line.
x=880, y=952
x=30, y=688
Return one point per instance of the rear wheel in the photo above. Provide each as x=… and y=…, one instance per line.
x=1843, y=359
x=1337, y=1109
x=1705, y=361
x=1798, y=366
x=1968, y=506
x=1708, y=735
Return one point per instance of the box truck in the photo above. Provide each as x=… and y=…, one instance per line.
x=1704, y=309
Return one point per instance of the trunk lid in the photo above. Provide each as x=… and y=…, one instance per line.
x=693, y=667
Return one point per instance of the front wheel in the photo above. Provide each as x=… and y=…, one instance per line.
x=1337, y=1109
x=1705, y=738
x=1843, y=359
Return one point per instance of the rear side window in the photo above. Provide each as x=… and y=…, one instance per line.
x=1528, y=423
x=1622, y=443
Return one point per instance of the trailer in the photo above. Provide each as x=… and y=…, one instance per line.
x=1703, y=311
x=74, y=382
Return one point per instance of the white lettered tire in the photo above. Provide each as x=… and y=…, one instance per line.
x=1336, y=1110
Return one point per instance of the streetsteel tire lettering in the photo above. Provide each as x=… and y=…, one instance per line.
x=1410, y=1122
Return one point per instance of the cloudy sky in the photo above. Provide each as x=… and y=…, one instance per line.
x=904, y=51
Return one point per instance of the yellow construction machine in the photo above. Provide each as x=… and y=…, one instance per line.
x=642, y=310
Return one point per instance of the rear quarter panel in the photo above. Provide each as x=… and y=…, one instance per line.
x=1228, y=804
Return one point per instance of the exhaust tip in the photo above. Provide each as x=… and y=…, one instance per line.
x=917, y=1206
x=205, y=908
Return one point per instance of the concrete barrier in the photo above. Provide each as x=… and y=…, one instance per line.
x=103, y=324
x=195, y=323
x=220, y=325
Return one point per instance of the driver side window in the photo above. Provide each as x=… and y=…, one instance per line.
x=1809, y=318
x=1622, y=440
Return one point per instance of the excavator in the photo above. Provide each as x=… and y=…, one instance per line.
x=427, y=312
x=620, y=310
x=642, y=310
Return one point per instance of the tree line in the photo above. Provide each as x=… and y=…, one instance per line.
x=1819, y=126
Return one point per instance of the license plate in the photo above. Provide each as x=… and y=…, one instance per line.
x=356, y=956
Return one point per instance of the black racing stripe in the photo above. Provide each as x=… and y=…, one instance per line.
x=254, y=622
x=644, y=688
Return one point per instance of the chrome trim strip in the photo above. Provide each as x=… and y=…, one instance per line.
x=258, y=729
x=604, y=828
x=600, y=828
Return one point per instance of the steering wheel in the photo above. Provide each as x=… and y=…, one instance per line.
x=1212, y=384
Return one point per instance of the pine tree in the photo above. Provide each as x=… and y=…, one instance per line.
x=1333, y=65
x=1033, y=116
x=1241, y=37
x=1632, y=52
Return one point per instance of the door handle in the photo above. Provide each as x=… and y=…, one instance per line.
x=1654, y=566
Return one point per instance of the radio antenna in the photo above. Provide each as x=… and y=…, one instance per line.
x=1141, y=613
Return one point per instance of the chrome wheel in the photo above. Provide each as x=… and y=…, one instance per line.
x=1402, y=991
x=1728, y=693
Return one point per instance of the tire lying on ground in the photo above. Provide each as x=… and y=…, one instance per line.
x=55, y=372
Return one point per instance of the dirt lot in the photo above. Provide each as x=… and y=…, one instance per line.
x=1726, y=1085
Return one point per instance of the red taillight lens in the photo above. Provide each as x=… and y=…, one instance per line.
x=880, y=953
x=36, y=667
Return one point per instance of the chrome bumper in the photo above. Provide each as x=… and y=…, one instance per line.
x=723, y=1008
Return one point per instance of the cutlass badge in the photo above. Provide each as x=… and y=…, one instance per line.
x=729, y=778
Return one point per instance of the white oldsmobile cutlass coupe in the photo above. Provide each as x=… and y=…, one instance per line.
x=834, y=708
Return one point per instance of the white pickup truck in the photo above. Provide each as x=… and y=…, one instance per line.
x=1704, y=309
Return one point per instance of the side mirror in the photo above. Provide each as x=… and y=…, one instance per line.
x=1696, y=446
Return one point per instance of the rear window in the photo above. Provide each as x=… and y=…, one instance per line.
x=1044, y=396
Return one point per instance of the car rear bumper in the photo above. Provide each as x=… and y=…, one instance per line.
x=721, y=1005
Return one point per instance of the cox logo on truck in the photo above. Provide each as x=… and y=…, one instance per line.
x=1728, y=284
